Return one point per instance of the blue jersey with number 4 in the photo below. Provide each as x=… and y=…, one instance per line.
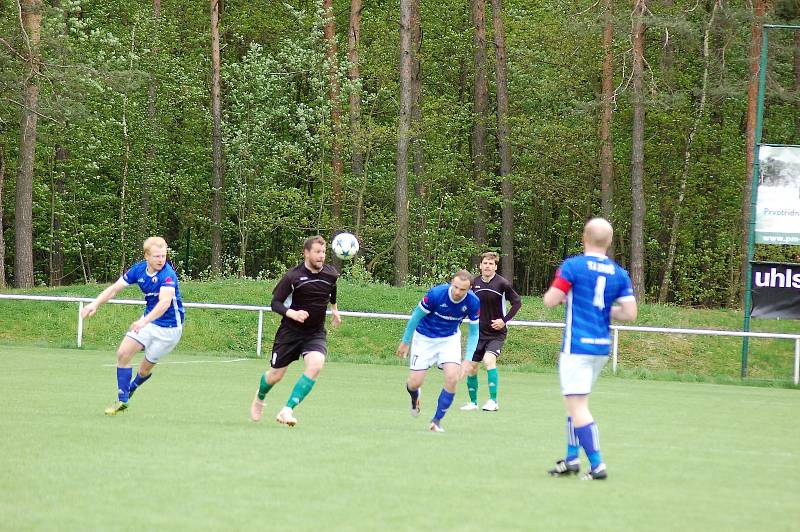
x=592, y=282
x=443, y=315
x=151, y=283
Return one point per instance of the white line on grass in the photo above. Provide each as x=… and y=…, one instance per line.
x=190, y=362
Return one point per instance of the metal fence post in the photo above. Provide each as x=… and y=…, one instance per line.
x=260, y=330
x=797, y=362
x=80, y=323
x=615, y=350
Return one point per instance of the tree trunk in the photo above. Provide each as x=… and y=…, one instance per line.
x=329, y=31
x=152, y=90
x=676, y=216
x=216, y=143
x=480, y=98
x=56, y=196
x=403, y=134
x=606, y=117
x=752, y=107
x=637, y=152
x=2, y=233
x=354, y=74
x=23, y=222
x=797, y=85
x=503, y=144
x=418, y=162
x=125, y=166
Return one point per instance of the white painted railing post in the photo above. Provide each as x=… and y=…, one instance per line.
x=797, y=362
x=616, y=348
x=80, y=323
x=260, y=330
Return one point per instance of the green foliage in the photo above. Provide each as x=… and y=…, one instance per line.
x=103, y=61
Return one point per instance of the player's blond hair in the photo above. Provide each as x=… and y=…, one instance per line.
x=491, y=255
x=153, y=242
x=464, y=275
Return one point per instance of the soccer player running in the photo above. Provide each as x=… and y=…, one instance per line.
x=159, y=329
x=595, y=290
x=434, y=338
x=493, y=291
x=302, y=298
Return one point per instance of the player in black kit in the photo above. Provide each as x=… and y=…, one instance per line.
x=302, y=298
x=493, y=291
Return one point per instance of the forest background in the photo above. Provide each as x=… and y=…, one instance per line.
x=432, y=130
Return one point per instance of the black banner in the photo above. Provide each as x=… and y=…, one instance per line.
x=776, y=290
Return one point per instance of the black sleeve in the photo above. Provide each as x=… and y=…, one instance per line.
x=333, y=294
x=280, y=293
x=516, y=302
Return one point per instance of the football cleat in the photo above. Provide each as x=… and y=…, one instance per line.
x=564, y=468
x=116, y=408
x=598, y=473
x=256, y=408
x=470, y=406
x=285, y=417
x=491, y=406
x=435, y=427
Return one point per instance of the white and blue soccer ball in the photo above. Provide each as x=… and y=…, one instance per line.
x=345, y=246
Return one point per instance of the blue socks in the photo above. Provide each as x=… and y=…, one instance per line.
x=589, y=439
x=445, y=400
x=137, y=381
x=573, y=447
x=123, y=384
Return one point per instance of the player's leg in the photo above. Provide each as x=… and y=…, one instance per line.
x=449, y=359
x=472, y=376
x=314, y=349
x=125, y=352
x=285, y=350
x=414, y=386
x=164, y=340
x=490, y=361
x=451, y=371
x=577, y=404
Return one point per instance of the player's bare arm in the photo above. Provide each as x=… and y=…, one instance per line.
x=165, y=295
x=104, y=297
x=624, y=310
x=297, y=315
x=554, y=297
x=498, y=324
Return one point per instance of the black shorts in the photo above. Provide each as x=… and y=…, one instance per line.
x=290, y=345
x=488, y=345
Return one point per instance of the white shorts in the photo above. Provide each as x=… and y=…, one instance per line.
x=157, y=341
x=425, y=351
x=579, y=372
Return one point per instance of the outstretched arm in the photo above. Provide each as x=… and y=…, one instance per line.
x=105, y=296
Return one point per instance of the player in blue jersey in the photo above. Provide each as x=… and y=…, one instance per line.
x=595, y=290
x=434, y=337
x=158, y=330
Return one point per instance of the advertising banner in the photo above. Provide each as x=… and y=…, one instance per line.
x=778, y=200
x=776, y=290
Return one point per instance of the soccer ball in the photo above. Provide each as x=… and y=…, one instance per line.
x=345, y=246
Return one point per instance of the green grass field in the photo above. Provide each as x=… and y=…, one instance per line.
x=685, y=456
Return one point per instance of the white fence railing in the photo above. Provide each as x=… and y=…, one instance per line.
x=252, y=308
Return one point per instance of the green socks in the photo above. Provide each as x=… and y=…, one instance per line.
x=492, y=373
x=263, y=388
x=472, y=388
x=301, y=388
